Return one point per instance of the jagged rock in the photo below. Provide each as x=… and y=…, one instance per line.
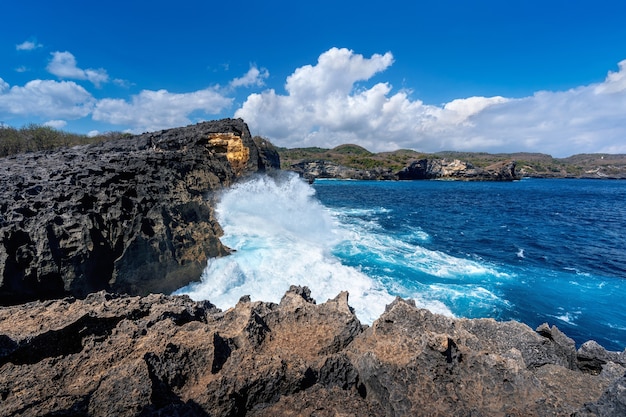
x=611, y=403
x=269, y=159
x=166, y=355
x=132, y=215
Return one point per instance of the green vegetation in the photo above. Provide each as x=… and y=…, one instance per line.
x=32, y=138
x=352, y=156
x=529, y=164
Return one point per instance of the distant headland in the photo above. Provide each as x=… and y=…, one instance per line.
x=355, y=162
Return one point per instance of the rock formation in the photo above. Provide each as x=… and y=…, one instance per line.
x=426, y=169
x=310, y=170
x=119, y=214
x=164, y=355
x=423, y=169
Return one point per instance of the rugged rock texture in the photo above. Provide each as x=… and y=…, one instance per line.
x=130, y=216
x=161, y=355
x=443, y=169
x=423, y=169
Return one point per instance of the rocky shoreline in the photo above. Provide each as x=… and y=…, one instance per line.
x=422, y=169
x=164, y=355
x=80, y=226
x=115, y=215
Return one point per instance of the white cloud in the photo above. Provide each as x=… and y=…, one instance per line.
x=28, y=46
x=57, y=124
x=122, y=83
x=63, y=65
x=155, y=110
x=324, y=106
x=46, y=98
x=615, y=82
x=254, y=77
x=335, y=73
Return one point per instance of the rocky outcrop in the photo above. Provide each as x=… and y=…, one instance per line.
x=423, y=169
x=132, y=215
x=311, y=170
x=426, y=169
x=163, y=355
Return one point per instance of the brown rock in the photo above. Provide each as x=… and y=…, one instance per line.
x=164, y=355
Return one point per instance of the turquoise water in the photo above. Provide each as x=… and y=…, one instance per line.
x=534, y=250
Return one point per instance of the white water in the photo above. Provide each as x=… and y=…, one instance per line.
x=282, y=236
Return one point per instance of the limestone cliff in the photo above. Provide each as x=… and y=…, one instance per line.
x=161, y=355
x=459, y=170
x=423, y=169
x=132, y=215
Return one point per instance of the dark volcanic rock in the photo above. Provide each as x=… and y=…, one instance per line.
x=162, y=355
x=130, y=215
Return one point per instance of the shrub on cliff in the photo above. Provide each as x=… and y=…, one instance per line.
x=33, y=137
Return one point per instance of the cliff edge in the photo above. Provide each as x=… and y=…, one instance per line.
x=133, y=215
x=165, y=355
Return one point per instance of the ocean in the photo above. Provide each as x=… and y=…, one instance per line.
x=535, y=250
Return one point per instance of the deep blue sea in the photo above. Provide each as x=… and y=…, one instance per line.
x=535, y=250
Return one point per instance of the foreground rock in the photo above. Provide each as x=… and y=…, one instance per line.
x=131, y=215
x=423, y=169
x=162, y=355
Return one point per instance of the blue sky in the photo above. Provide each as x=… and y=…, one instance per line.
x=537, y=76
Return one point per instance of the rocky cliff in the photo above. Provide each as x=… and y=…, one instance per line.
x=161, y=355
x=116, y=215
x=455, y=169
x=422, y=169
x=311, y=170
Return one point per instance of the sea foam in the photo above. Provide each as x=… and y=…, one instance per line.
x=282, y=236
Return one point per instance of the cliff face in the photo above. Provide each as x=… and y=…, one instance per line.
x=456, y=169
x=161, y=355
x=310, y=170
x=132, y=215
x=423, y=169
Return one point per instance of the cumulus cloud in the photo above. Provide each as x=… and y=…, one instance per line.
x=57, y=124
x=254, y=77
x=63, y=65
x=155, y=110
x=325, y=106
x=28, y=46
x=615, y=82
x=46, y=98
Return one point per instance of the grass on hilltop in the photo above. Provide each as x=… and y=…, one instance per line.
x=33, y=138
x=532, y=164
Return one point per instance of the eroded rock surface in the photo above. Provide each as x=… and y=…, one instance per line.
x=131, y=216
x=163, y=355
